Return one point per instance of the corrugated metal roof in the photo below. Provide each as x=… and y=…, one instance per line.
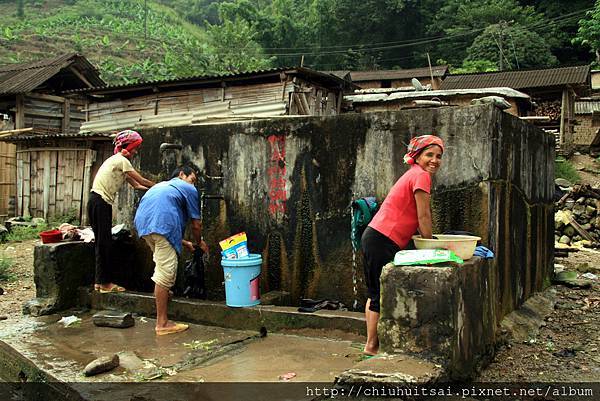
x=32, y=136
x=25, y=77
x=587, y=106
x=202, y=79
x=222, y=111
x=521, y=79
x=378, y=75
x=401, y=95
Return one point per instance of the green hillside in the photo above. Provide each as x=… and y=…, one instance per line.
x=111, y=34
x=176, y=38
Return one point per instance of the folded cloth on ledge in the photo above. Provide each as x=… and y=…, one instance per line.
x=483, y=252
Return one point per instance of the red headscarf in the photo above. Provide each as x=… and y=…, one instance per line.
x=126, y=141
x=418, y=144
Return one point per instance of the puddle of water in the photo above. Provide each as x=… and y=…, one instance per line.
x=311, y=359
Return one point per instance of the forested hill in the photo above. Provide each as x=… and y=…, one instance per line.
x=131, y=40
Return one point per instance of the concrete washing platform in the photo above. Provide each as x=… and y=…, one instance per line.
x=41, y=351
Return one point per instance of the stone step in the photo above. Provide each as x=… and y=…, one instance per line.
x=271, y=318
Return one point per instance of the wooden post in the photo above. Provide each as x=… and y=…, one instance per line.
x=430, y=72
x=66, y=121
x=90, y=157
x=19, y=205
x=46, y=183
x=20, y=114
x=563, y=104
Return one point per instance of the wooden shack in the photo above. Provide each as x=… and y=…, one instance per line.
x=553, y=90
x=430, y=78
x=587, y=112
x=32, y=105
x=55, y=163
x=214, y=99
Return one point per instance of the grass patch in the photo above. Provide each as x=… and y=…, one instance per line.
x=564, y=169
x=5, y=266
x=23, y=233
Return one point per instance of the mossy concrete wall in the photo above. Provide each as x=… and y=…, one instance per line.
x=59, y=270
x=444, y=314
x=288, y=183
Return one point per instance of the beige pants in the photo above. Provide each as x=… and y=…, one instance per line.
x=165, y=260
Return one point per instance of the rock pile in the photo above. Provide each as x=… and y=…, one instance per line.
x=577, y=218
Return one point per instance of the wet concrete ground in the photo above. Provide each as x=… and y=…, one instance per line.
x=202, y=353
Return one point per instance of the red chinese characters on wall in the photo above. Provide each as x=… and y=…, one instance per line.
x=276, y=173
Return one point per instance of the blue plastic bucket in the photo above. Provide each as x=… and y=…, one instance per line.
x=242, y=280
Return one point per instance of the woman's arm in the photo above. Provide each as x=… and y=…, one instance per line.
x=141, y=180
x=423, y=199
x=134, y=183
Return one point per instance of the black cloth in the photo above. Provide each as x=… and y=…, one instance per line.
x=100, y=217
x=308, y=305
x=193, y=276
x=378, y=250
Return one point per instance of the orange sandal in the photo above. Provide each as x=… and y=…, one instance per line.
x=113, y=288
x=179, y=327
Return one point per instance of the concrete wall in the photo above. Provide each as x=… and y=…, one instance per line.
x=585, y=130
x=288, y=183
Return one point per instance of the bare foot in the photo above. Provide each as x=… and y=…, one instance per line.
x=370, y=350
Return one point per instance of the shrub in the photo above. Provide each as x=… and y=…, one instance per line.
x=23, y=233
x=5, y=266
x=564, y=169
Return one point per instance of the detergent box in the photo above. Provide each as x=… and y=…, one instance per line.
x=235, y=246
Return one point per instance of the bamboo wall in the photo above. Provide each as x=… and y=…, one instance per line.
x=53, y=181
x=8, y=179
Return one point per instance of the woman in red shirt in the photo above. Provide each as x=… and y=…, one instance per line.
x=406, y=208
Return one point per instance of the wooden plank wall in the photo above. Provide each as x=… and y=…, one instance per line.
x=8, y=179
x=320, y=101
x=184, y=100
x=53, y=181
x=53, y=114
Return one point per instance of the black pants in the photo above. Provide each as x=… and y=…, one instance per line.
x=100, y=216
x=378, y=250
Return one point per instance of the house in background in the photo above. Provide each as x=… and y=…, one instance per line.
x=214, y=99
x=42, y=179
x=595, y=78
x=587, y=113
x=428, y=77
x=373, y=100
x=553, y=90
x=56, y=167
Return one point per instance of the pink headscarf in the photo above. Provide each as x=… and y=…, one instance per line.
x=126, y=141
x=418, y=144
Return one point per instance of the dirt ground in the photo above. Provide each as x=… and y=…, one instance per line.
x=22, y=288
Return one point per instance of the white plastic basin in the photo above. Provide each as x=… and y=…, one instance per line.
x=462, y=245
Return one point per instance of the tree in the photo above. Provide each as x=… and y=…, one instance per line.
x=469, y=66
x=234, y=47
x=511, y=46
x=589, y=31
x=464, y=20
x=21, y=8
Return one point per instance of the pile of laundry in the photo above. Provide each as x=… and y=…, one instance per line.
x=73, y=233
